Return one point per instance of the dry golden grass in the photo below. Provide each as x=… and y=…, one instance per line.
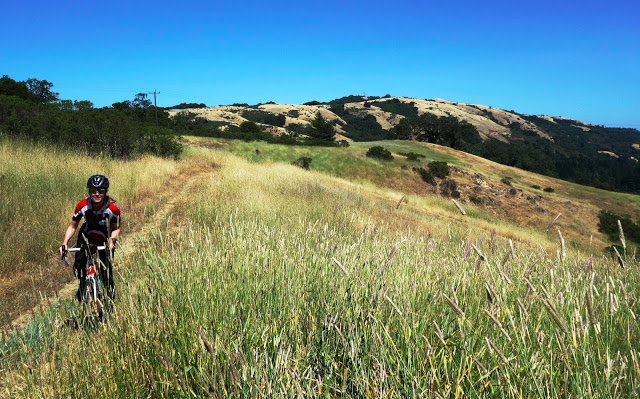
x=46, y=184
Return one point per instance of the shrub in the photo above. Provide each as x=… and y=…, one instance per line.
x=439, y=169
x=608, y=224
x=537, y=187
x=302, y=162
x=507, y=180
x=412, y=156
x=380, y=152
x=549, y=189
x=475, y=199
x=447, y=187
x=425, y=175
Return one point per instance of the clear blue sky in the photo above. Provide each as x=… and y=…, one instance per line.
x=577, y=59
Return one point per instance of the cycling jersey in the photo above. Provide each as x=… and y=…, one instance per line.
x=97, y=223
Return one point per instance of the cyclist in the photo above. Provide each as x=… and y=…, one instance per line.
x=101, y=226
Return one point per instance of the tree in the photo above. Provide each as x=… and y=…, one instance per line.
x=10, y=87
x=140, y=101
x=250, y=127
x=42, y=91
x=322, y=130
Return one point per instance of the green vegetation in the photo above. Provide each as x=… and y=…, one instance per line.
x=443, y=130
x=426, y=175
x=573, y=154
x=549, y=189
x=507, y=180
x=187, y=105
x=412, y=156
x=302, y=162
x=396, y=106
x=359, y=127
x=30, y=110
x=439, y=169
x=447, y=187
x=608, y=224
x=380, y=153
x=321, y=131
x=264, y=117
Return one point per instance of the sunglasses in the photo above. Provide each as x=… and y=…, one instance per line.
x=97, y=191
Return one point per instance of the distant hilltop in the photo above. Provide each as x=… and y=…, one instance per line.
x=388, y=112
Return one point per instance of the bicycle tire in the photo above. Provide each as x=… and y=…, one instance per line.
x=92, y=309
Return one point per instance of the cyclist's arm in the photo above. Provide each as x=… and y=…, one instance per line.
x=71, y=230
x=115, y=232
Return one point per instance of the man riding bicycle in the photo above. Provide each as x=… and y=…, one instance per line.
x=101, y=225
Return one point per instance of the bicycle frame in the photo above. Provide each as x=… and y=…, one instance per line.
x=92, y=280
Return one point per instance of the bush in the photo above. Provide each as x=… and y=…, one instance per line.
x=447, y=187
x=608, y=224
x=425, y=175
x=507, y=180
x=549, y=189
x=537, y=187
x=380, y=153
x=264, y=117
x=439, y=169
x=412, y=156
x=302, y=162
x=161, y=143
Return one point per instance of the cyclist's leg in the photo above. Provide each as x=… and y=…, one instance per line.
x=106, y=275
x=80, y=269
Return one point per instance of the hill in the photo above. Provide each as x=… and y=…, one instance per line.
x=558, y=147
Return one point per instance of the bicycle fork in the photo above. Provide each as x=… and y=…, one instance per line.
x=91, y=279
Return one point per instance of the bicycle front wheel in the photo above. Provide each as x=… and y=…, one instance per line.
x=92, y=299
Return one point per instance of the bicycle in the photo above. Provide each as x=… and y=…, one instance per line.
x=92, y=292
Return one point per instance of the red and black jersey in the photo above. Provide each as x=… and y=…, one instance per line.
x=97, y=223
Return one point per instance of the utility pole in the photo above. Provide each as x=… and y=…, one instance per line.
x=155, y=106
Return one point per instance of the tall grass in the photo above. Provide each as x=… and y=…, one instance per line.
x=274, y=281
x=39, y=189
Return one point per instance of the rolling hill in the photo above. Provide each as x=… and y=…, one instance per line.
x=571, y=150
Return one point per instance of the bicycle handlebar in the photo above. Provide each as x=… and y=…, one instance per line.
x=78, y=249
x=99, y=248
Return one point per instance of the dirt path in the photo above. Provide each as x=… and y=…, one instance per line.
x=178, y=190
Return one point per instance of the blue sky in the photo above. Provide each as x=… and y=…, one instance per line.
x=576, y=59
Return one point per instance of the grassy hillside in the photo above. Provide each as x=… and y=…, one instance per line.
x=578, y=205
x=599, y=156
x=252, y=277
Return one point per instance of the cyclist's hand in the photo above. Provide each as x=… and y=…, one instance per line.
x=63, y=251
x=112, y=244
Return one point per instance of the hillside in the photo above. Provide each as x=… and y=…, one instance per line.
x=558, y=147
x=491, y=123
x=501, y=193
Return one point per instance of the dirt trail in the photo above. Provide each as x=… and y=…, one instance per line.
x=178, y=190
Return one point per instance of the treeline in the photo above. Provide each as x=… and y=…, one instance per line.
x=32, y=110
x=187, y=105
